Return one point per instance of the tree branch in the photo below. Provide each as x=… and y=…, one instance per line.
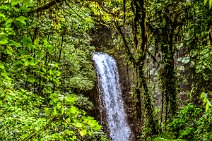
x=46, y=6
x=132, y=59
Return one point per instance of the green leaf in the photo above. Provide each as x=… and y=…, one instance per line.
x=55, y=112
x=73, y=110
x=8, y=22
x=206, y=107
x=47, y=111
x=28, y=3
x=5, y=7
x=78, y=125
x=16, y=44
x=205, y=2
x=57, y=73
x=9, y=50
x=25, y=9
x=36, y=41
x=83, y=132
x=202, y=95
x=1, y=66
x=4, y=41
x=24, y=136
x=43, y=69
x=71, y=99
x=210, y=3
x=31, y=79
x=2, y=16
x=21, y=19
x=5, y=75
x=15, y=2
x=26, y=40
x=50, y=72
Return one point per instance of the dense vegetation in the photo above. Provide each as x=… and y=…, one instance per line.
x=45, y=70
x=47, y=73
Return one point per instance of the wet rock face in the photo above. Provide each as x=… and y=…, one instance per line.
x=126, y=81
x=101, y=38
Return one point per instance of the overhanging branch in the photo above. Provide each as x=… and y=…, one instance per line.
x=47, y=6
x=132, y=59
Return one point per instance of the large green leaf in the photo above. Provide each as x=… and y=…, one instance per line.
x=22, y=20
x=15, y=2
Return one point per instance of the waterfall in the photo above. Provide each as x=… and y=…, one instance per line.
x=108, y=79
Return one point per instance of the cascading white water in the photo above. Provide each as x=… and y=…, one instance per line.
x=108, y=79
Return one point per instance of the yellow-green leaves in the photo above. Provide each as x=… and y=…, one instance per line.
x=71, y=99
x=21, y=20
x=208, y=1
x=15, y=2
x=8, y=22
x=5, y=76
x=1, y=66
x=3, y=40
x=206, y=101
x=83, y=132
x=2, y=17
x=24, y=3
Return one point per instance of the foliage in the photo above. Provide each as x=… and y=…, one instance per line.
x=43, y=70
x=183, y=126
x=191, y=123
x=27, y=118
x=208, y=1
x=162, y=139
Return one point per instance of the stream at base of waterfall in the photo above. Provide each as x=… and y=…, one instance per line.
x=108, y=80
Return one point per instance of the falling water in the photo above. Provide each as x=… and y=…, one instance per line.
x=108, y=79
